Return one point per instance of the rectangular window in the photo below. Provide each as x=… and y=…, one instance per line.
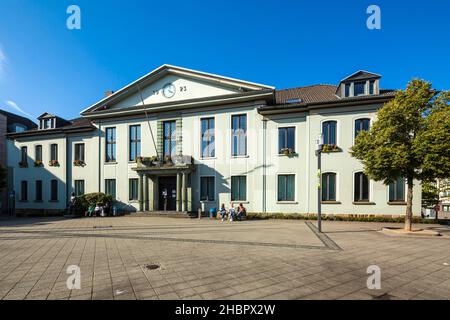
x=133, y=189
x=79, y=152
x=446, y=208
x=208, y=138
x=371, y=86
x=286, y=187
x=38, y=153
x=54, y=190
x=207, y=185
x=359, y=88
x=110, y=144
x=54, y=152
x=24, y=155
x=110, y=187
x=361, y=125
x=397, y=191
x=286, y=139
x=347, y=90
x=170, y=138
x=361, y=188
x=135, y=142
x=79, y=188
x=329, y=187
x=24, y=191
x=38, y=194
x=329, y=132
x=239, y=188
x=239, y=135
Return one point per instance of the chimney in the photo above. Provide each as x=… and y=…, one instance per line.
x=108, y=93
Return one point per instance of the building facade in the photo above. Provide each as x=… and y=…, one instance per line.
x=9, y=123
x=179, y=140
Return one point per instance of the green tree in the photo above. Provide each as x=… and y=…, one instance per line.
x=430, y=194
x=2, y=177
x=410, y=139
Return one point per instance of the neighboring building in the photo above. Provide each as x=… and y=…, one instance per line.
x=9, y=123
x=443, y=186
x=207, y=140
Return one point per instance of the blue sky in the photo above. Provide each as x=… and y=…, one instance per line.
x=46, y=67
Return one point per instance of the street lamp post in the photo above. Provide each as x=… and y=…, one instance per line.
x=319, y=148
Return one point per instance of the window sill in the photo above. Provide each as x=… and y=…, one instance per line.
x=133, y=201
x=38, y=201
x=396, y=203
x=207, y=201
x=363, y=203
x=53, y=201
x=287, y=202
x=240, y=201
x=331, y=202
x=23, y=201
x=239, y=157
x=209, y=158
x=110, y=162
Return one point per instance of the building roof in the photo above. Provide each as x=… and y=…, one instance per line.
x=321, y=93
x=361, y=75
x=75, y=125
x=14, y=118
x=166, y=69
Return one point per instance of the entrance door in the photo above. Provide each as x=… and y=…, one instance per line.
x=167, y=193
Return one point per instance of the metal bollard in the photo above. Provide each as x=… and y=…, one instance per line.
x=199, y=213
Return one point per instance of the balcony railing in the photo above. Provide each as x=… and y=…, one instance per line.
x=167, y=161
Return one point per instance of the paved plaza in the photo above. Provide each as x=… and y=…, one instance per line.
x=209, y=259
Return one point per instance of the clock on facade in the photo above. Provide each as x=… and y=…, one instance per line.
x=169, y=90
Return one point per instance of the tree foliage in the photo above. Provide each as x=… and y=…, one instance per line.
x=410, y=139
x=430, y=194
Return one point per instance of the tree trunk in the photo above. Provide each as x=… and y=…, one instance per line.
x=409, y=200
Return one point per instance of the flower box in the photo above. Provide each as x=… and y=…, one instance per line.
x=38, y=163
x=53, y=163
x=147, y=161
x=79, y=163
x=328, y=148
x=23, y=164
x=288, y=152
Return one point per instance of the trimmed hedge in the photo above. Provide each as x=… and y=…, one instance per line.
x=361, y=218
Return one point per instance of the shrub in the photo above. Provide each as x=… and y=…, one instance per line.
x=355, y=217
x=92, y=199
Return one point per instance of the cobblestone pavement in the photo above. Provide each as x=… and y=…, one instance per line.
x=205, y=259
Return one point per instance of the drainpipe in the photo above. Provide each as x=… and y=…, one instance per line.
x=264, y=165
x=67, y=172
x=99, y=155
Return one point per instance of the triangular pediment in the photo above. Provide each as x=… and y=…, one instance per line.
x=169, y=84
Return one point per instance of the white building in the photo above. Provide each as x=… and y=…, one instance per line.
x=229, y=141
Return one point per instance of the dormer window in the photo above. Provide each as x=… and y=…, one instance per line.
x=361, y=83
x=47, y=121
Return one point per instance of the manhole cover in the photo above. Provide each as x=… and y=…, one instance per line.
x=152, y=266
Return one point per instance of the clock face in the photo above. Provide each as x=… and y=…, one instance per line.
x=169, y=90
